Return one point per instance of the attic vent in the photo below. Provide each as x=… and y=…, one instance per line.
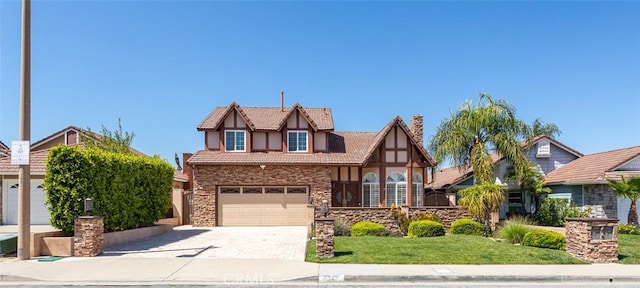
x=544, y=149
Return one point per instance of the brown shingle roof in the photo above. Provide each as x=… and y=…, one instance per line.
x=268, y=118
x=345, y=148
x=4, y=149
x=595, y=168
x=38, y=161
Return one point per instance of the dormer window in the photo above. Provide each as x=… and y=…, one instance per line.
x=544, y=149
x=234, y=141
x=297, y=141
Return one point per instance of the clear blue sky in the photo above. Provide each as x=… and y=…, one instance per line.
x=162, y=66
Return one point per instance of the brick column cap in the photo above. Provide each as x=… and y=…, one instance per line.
x=89, y=217
x=325, y=219
x=591, y=220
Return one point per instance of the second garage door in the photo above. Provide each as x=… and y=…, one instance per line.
x=263, y=206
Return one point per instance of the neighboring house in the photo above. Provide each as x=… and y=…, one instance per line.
x=71, y=135
x=584, y=181
x=269, y=165
x=38, y=157
x=546, y=152
x=4, y=150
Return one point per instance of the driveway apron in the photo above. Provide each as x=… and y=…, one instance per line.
x=275, y=242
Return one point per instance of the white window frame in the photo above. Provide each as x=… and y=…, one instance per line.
x=394, y=187
x=417, y=199
x=297, y=146
x=244, y=141
x=374, y=189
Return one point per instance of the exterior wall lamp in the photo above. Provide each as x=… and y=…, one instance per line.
x=325, y=208
x=88, y=206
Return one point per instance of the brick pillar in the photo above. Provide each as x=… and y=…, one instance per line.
x=324, y=237
x=593, y=239
x=88, y=240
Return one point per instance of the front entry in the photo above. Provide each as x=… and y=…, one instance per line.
x=345, y=194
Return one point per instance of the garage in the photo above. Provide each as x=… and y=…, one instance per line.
x=263, y=206
x=39, y=211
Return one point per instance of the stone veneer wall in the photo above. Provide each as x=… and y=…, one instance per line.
x=207, y=179
x=351, y=216
x=324, y=237
x=581, y=245
x=88, y=240
x=601, y=194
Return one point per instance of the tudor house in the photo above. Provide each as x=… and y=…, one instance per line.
x=273, y=165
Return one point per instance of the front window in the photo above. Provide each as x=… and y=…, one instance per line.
x=396, y=189
x=370, y=190
x=417, y=194
x=234, y=141
x=297, y=141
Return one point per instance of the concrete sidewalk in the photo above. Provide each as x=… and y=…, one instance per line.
x=110, y=270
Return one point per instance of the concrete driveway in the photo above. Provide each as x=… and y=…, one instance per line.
x=281, y=242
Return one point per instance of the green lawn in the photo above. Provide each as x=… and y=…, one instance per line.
x=452, y=249
x=629, y=249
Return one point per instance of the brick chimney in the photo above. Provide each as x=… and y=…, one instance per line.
x=417, y=128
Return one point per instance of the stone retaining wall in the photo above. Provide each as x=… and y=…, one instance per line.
x=352, y=215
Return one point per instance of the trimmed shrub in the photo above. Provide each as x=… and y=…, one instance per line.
x=514, y=230
x=544, y=239
x=365, y=228
x=341, y=228
x=628, y=229
x=425, y=228
x=469, y=226
x=427, y=216
x=129, y=191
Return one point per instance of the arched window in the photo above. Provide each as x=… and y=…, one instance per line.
x=371, y=190
x=417, y=195
x=396, y=189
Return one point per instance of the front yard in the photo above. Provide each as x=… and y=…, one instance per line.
x=629, y=249
x=452, y=249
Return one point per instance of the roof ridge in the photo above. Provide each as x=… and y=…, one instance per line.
x=614, y=150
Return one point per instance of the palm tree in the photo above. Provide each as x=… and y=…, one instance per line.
x=631, y=190
x=482, y=200
x=473, y=132
x=470, y=136
x=539, y=128
x=532, y=181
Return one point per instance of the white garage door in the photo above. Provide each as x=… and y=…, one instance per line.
x=39, y=211
x=623, y=210
x=263, y=206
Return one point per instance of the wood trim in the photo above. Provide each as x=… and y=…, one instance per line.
x=383, y=175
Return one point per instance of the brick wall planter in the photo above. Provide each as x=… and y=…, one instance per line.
x=352, y=215
x=593, y=239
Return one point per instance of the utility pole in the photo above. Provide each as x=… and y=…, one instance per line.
x=24, y=174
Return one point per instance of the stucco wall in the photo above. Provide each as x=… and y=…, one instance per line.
x=208, y=178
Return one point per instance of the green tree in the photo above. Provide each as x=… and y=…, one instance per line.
x=473, y=132
x=482, y=200
x=629, y=189
x=539, y=128
x=531, y=182
x=118, y=141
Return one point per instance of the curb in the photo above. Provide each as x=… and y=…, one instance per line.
x=11, y=278
x=472, y=278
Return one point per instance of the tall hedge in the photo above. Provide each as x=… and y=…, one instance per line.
x=129, y=191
